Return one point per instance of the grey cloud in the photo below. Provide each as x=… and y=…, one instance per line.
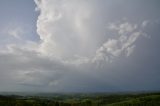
x=86, y=46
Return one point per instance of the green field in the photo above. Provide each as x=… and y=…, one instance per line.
x=82, y=99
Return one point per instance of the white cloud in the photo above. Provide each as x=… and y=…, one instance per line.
x=122, y=28
x=66, y=31
x=145, y=23
x=16, y=32
x=73, y=49
x=65, y=27
x=124, y=44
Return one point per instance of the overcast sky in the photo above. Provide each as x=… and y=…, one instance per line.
x=79, y=45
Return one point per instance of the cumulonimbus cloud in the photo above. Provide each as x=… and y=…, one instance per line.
x=66, y=31
x=75, y=41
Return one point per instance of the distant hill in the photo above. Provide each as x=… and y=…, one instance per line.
x=83, y=99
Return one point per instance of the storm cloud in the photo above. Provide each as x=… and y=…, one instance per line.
x=84, y=46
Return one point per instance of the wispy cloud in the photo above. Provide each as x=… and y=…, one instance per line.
x=16, y=32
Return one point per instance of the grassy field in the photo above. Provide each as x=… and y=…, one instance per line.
x=82, y=99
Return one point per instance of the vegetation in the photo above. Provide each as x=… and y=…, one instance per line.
x=150, y=99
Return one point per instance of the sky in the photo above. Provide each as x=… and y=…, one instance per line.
x=79, y=45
